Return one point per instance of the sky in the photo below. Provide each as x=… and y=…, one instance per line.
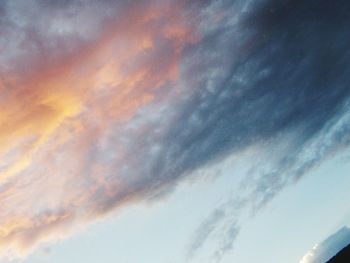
x=171, y=131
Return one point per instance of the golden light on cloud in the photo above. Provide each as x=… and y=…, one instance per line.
x=53, y=114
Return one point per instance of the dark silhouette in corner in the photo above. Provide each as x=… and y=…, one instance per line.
x=342, y=257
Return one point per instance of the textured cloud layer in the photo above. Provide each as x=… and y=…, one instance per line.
x=66, y=103
x=105, y=103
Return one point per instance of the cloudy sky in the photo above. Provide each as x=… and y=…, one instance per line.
x=171, y=131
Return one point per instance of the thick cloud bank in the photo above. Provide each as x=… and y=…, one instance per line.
x=106, y=103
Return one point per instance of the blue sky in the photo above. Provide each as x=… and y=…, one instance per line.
x=302, y=215
x=172, y=131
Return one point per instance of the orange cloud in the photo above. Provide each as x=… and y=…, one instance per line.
x=52, y=116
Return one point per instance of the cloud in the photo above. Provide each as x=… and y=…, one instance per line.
x=102, y=110
x=204, y=230
x=283, y=88
x=58, y=120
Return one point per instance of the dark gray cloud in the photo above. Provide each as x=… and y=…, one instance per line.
x=266, y=77
x=279, y=73
x=265, y=72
